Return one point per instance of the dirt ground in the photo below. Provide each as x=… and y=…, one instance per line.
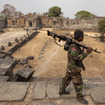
x=54, y=59
x=10, y=34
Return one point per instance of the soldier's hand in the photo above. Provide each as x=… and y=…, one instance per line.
x=89, y=50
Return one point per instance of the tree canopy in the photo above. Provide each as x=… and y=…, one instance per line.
x=55, y=11
x=101, y=29
x=101, y=26
x=83, y=14
x=45, y=13
x=34, y=13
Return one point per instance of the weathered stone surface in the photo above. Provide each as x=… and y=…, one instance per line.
x=6, y=66
x=4, y=78
x=11, y=91
x=1, y=49
x=9, y=44
x=40, y=90
x=98, y=94
x=16, y=39
x=45, y=103
x=24, y=74
x=23, y=62
x=89, y=84
x=71, y=89
x=52, y=90
x=27, y=65
x=96, y=79
x=3, y=71
x=2, y=56
x=30, y=57
x=71, y=101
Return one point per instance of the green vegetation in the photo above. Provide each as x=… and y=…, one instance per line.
x=83, y=14
x=1, y=16
x=101, y=29
x=34, y=13
x=54, y=11
x=45, y=13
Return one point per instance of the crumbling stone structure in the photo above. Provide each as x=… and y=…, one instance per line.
x=31, y=21
x=3, y=22
x=17, y=19
x=16, y=22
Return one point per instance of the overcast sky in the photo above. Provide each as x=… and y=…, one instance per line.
x=68, y=7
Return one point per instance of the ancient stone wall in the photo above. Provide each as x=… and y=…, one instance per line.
x=3, y=23
x=88, y=24
x=15, y=22
x=46, y=21
x=32, y=21
x=20, y=22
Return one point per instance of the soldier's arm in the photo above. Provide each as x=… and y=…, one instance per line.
x=75, y=53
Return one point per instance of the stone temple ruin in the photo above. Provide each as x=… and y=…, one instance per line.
x=13, y=18
x=42, y=91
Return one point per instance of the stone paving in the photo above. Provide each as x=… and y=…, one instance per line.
x=44, y=91
x=6, y=66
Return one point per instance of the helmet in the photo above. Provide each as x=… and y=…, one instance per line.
x=78, y=33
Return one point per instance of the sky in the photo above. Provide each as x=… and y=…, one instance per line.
x=68, y=7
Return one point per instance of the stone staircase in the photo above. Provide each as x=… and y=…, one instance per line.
x=44, y=91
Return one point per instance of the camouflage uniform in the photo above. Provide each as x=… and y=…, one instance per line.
x=75, y=57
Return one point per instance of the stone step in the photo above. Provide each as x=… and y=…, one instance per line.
x=4, y=78
x=6, y=66
x=44, y=91
x=13, y=91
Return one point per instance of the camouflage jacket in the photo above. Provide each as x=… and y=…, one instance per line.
x=75, y=57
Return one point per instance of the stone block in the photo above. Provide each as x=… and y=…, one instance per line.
x=12, y=91
x=24, y=74
x=44, y=103
x=6, y=66
x=72, y=94
x=52, y=91
x=98, y=94
x=9, y=44
x=2, y=48
x=70, y=101
x=30, y=57
x=16, y=40
x=2, y=55
x=89, y=84
x=23, y=62
x=40, y=90
x=4, y=78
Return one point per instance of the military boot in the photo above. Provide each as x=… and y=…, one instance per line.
x=64, y=92
x=83, y=101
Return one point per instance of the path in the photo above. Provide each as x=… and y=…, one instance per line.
x=56, y=67
x=43, y=67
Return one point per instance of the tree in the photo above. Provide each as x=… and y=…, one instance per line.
x=83, y=14
x=1, y=16
x=34, y=13
x=101, y=29
x=54, y=11
x=45, y=13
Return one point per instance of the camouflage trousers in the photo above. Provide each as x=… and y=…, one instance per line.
x=77, y=82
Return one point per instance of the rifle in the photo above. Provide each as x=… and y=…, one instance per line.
x=68, y=41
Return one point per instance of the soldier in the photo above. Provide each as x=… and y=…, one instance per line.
x=74, y=66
